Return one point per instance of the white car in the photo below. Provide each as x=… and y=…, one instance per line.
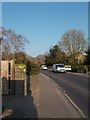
x=44, y=67
x=68, y=68
x=59, y=68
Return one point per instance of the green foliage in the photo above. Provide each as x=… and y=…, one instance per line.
x=69, y=50
x=88, y=68
x=20, y=58
x=22, y=67
x=55, y=56
x=32, y=69
x=28, y=68
x=87, y=57
x=80, y=68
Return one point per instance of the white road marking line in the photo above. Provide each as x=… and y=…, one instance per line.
x=45, y=76
x=66, y=96
x=75, y=105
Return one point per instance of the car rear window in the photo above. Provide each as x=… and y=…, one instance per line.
x=60, y=66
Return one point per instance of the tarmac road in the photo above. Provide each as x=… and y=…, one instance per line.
x=75, y=86
x=52, y=101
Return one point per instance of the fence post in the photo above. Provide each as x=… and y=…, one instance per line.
x=25, y=87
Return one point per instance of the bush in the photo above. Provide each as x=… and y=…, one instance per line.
x=21, y=67
x=29, y=68
x=32, y=69
x=80, y=68
x=88, y=68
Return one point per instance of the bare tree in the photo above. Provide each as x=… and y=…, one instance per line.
x=73, y=43
x=12, y=42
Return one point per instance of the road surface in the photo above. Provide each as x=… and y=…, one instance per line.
x=75, y=86
x=52, y=102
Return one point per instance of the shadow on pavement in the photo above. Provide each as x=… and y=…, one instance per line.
x=16, y=104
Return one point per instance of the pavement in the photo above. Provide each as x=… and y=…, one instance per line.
x=47, y=101
x=19, y=105
x=15, y=106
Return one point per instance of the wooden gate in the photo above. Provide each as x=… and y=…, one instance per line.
x=7, y=75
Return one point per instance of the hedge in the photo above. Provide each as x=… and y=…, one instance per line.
x=80, y=68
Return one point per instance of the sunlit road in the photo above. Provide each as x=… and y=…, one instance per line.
x=76, y=87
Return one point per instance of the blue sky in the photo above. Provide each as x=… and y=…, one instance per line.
x=44, y=23
x=0, y=14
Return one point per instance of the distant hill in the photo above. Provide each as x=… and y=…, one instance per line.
x=40, y=59
x=40, y=56
x=30, y=58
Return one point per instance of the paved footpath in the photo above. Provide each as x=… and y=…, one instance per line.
x=52, y=101
x=47, y=101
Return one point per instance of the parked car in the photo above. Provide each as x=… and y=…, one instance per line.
x=68, y=68
x=59, y=68
x=43, y=67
